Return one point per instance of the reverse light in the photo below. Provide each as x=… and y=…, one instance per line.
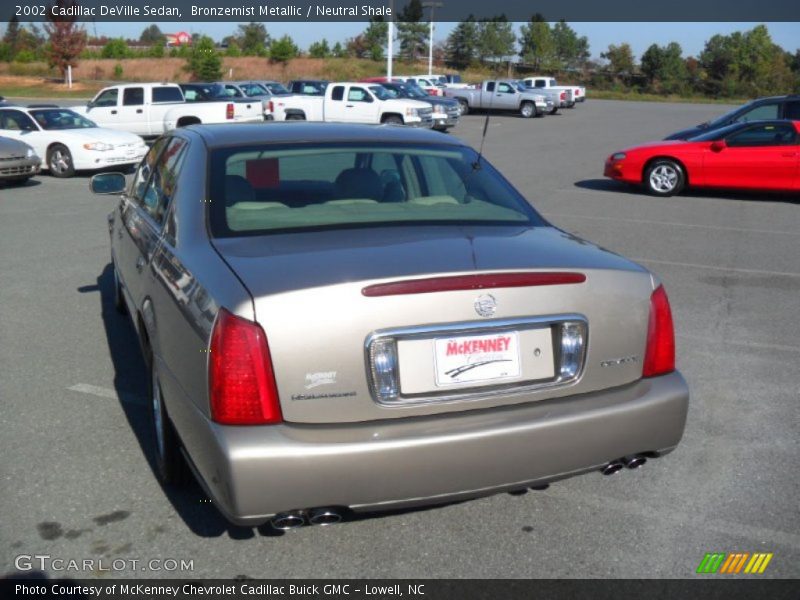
x=618, y=156
x=383, y=364
x=573, y=349
x=229, y=111
x=99, y=146
x=241, y=381
x=659, y=358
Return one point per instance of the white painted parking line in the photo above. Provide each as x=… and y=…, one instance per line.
x=102, y=392
x=716, y=268
x=670, y=224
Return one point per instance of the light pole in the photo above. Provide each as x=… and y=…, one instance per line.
x=390, y=44
x=432, y=6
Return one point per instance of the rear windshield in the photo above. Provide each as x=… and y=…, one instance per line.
x=261, y=189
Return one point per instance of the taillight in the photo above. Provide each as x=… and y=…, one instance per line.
x=271, y=106
x=659, y=357
x=229, y=111
x=241, y=381
x=563, y=95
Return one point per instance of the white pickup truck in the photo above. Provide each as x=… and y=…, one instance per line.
x=150, y=109
x=575, y=93
x=353, y=103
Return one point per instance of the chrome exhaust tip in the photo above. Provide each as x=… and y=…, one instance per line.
x=634, y=462
x=324, y=516
x=288, y=520
x=612, y=467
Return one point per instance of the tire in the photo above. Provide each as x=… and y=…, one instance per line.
x=59, y=161
x=392, y=120
x=464, y=106
x=664, y=177
x=295, y=117
x=170, y=465
x=527, y=110
x=119, y=301
x=554, y=111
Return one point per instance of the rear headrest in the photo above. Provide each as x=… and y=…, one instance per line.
x=359, y=183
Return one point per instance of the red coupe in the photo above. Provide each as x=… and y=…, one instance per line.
x=759, y=155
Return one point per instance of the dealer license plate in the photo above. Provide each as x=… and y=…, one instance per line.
x=477, y=358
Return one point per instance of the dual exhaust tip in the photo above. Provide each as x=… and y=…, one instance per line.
x=298, y=518
x=631, y=462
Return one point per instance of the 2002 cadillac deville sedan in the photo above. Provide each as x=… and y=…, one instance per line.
x=354, y=318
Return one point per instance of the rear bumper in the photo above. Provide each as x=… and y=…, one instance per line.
x=253, y=473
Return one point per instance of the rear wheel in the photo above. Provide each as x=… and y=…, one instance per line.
x=295, y=117
x=59, y=160
x=664, y=177
x=527, y=110
x=463, y=105
x=554, y=111
x=170, y=466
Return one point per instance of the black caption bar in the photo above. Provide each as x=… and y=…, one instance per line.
x=343, y=589
x=361, y=10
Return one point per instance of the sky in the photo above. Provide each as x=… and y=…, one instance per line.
x=691, y=36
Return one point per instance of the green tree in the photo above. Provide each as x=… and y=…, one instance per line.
x=283, y=50
x=233, y=49
x=745, y=64
x=338, y=51
x=66, y=39
x=253, y=39
x=152, y=36
x=537, y=45
x=412, y=32
x=461, y=45
x=376, y=37
x=665, y=68
x=570, y=50
x=620, y=59
x=319, y=49
x=204, y=63
x=115, y=48
x=496, y=38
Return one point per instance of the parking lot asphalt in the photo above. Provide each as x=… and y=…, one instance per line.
x=76, y=473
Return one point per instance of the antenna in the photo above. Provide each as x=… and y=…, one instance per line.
x=477, y=164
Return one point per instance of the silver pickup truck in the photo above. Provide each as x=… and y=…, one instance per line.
x=501, y=94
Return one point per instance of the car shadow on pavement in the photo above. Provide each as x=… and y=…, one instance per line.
x=16, y=186
x=131, y=385
x=619, y=187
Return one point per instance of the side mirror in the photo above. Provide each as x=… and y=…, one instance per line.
x=107, y=183
x=718, y=146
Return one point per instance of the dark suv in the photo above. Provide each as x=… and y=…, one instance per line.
x=776, y=107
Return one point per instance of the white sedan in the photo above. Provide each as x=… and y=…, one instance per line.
x=69, y=142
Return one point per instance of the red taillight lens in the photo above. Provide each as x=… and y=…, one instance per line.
x=563, y=95
x=241, y=380
x=229, y=111
x=271, y=106
x=659, y=358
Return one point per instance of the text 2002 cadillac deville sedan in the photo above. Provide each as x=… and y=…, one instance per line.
x=354, y=318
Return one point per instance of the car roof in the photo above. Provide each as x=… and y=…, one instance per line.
x=278, y=133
